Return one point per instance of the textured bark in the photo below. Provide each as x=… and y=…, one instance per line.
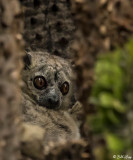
x=10, y=66
x=49, y=26
x=102, y=26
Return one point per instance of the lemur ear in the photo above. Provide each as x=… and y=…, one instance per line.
x=72, y=62
x=27, y=60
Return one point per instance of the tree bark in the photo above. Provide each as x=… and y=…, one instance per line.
x=49, y=26
x=102, y=26
x=10, y=65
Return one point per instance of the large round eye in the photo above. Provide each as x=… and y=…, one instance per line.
x=64, y=88
x=40, y=82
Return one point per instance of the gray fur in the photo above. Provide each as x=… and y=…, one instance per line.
x=58, y=123
x=56, y=71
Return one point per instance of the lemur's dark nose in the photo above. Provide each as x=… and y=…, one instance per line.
x=53, y=101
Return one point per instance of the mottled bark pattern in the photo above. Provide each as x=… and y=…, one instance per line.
x=10, y=66
x=103, y=25
x=49, y=26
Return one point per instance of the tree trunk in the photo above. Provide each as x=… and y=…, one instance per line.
x=102, y=26
x=49, y=26
x=10, y=66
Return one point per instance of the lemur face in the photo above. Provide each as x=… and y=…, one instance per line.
x=49, y=80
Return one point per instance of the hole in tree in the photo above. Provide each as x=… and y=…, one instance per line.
x=38, y=36
x=37, y=3
x=55, y=8
x=56, y=52
x=63, y=42
x=59, y=26
x=118, y=4
x=33, y=20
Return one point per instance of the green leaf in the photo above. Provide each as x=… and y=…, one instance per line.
x=106, y=100
x=113, y=117
x=114, y=142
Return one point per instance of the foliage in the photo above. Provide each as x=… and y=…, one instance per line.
x=112, y=95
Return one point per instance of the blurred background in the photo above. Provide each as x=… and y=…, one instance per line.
x=112, y=93
x=104, y=59
x=98, y=36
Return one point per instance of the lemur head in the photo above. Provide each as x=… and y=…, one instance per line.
x=49, y=80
